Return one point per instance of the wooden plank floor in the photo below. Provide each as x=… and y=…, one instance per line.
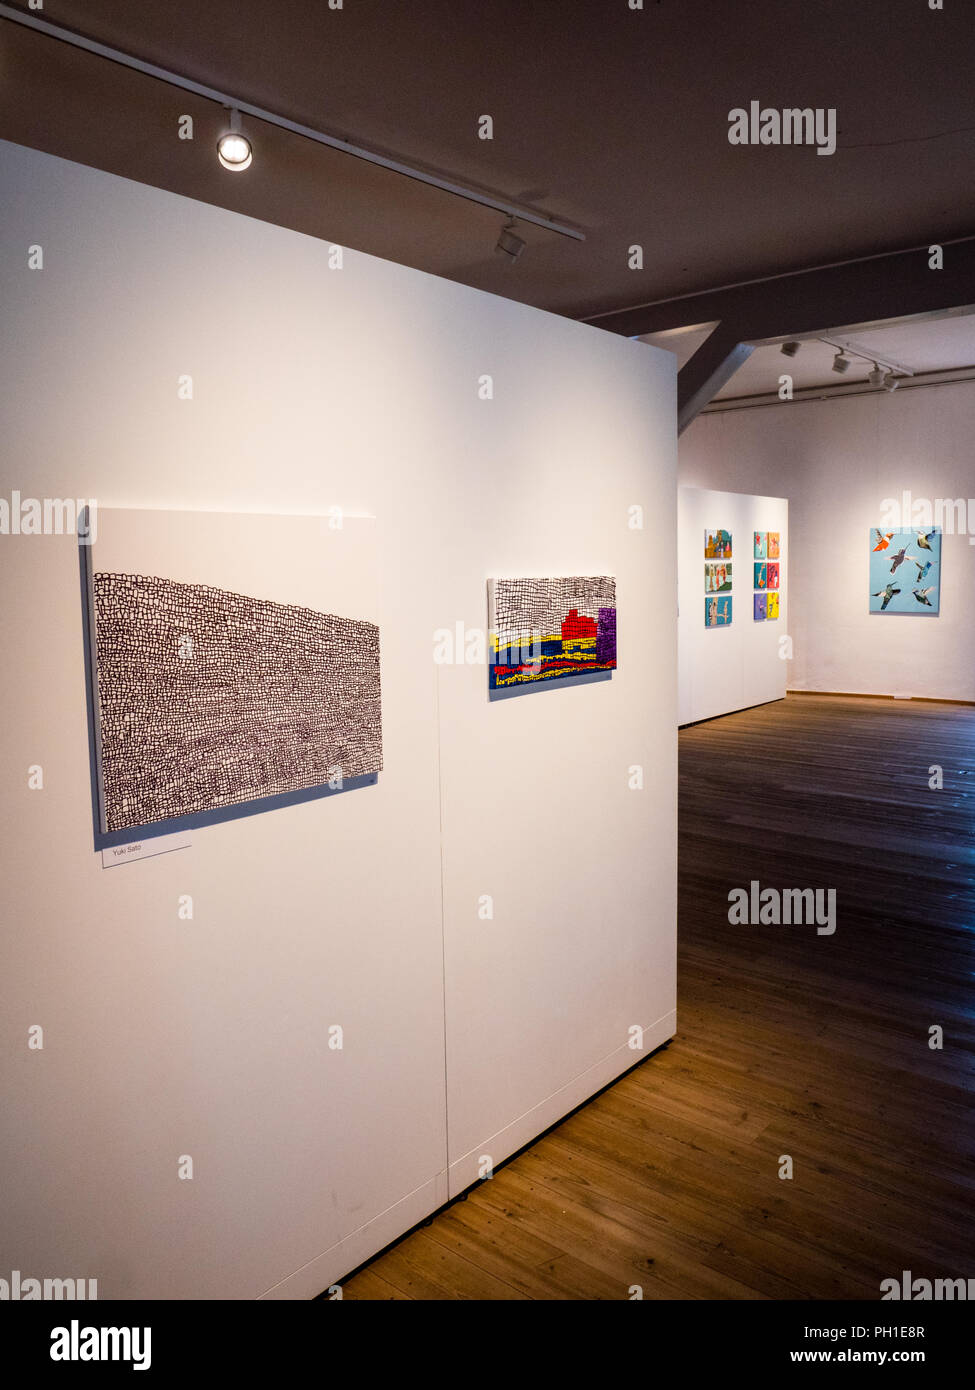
x=788, y=1043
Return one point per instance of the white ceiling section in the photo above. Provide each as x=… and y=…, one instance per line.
x=921, y=345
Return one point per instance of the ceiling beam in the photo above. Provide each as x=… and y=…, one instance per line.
x=805, y=303
x=821, y=300
x=704, y=374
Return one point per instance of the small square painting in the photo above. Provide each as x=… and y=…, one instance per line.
x=717, y=578
x=717, y=611
x=717, y=545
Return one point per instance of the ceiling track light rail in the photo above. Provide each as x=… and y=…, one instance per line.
x=889, y=379
x=850, y=349
x=445, y=183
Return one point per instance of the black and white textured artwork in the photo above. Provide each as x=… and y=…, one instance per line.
x=208, y=698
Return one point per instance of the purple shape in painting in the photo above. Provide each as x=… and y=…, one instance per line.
x=606, y=636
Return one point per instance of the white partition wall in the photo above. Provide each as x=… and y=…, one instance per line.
x=542, y=814
x=314, y=386
x=728, y=668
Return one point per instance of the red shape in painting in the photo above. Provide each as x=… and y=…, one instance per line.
x=573, y=626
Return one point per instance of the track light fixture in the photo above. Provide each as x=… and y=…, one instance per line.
x=234, y=149
x=885, y=373
x=790, y=349
x=508, y=244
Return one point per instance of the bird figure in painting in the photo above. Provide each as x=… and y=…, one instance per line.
x=884, y=539
x=924, y=539
x=888, y=594
x=922, y=568
x=898, y=559
x=922, y=596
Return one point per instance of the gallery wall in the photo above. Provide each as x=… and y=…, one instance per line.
x=837, y=460
x=313, y=387
x=733, y=667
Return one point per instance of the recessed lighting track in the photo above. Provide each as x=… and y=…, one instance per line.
x=846, y=348
x=444, y=182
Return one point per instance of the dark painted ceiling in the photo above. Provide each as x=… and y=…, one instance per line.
x=610, y=118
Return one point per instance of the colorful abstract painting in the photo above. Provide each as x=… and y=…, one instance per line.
x=761, y=607
x=717, y=545
x=761, y=575
x=773, y=576
x=717, y=578
x=761, y=541
x=717, y=612
x=905, y=571
x=548, y=629
x=773, y=545
x=772, y=606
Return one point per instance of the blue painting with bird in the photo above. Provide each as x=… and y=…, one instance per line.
x=905, y=575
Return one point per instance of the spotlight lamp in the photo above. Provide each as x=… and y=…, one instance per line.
x=790, y=349
x=883, y=372
x=508, y=244
x=233, y=148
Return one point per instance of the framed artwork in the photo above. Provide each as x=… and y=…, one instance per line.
x=717, y=545
x=548, y=629
x=761, y=575
x=761, y=608
x=717, y=578
x=773, y=545
x=773, y=574
x=233, y=664
x=772, y=605
x=717, y=611
x=905, y=571
x=761, y=539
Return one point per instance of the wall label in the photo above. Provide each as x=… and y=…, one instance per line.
x=144, y=849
